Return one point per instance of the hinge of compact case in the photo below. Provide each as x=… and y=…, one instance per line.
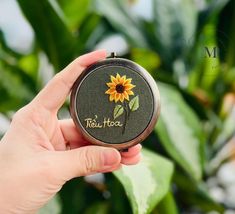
x=112, y=55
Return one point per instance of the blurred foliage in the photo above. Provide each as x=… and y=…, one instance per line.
x=188, y=47
x=155, y=172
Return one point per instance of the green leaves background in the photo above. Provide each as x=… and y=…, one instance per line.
x=194, y=127
x=146, y=183
x=180, y=131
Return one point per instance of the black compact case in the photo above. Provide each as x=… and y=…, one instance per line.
x=115, y=102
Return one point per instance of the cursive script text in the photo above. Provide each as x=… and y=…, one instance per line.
x=106, y=122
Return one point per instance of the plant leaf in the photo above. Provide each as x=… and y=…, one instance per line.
x=134, y=103
x=167, y=205
x=180, y=131
x=70, y=9
x=211, y=11
x=117, y=13
x=226, y=34
x=196, y=193
x=178, y=39
x=118, y=111
x=51, y=32
x=98, y=207
x=147, y=182
x=12, y=98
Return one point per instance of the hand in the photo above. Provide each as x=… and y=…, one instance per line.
x=34, y=162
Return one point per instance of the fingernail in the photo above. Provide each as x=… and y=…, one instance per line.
x=111, y=157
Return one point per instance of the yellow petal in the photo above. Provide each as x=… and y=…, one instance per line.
x=127, y=81
x=117, y=97
x=118, y=77
x=111, y=97
x=129, y=92
x=111, y=84
x=114, y=80
x=122, y=80
x=126, y=96
x=129, y=86
x=110, y=91
x=122, y=97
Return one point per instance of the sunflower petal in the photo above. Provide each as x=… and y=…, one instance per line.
x=129, y=92
x=122, y=80
x=126, y=96
x=118, y=77
x=127, y=81
x=111, y=84
x=110, y=91
x=122, y=97
x=117, y=97
x=114, y=80
x=111, y=97
x=129, y=86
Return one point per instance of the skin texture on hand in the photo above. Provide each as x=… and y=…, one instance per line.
x=34, y=162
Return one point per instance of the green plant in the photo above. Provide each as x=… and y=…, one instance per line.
x=189, y=143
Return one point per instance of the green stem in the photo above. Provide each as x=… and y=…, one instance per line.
x=126, y=111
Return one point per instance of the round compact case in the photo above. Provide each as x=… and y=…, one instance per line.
x=115, y=102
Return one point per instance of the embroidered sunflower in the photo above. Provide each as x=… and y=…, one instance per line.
x=119, y=88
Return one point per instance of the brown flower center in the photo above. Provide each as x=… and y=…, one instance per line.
x=120, y=88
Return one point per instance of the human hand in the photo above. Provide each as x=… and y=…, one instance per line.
x=34, y=162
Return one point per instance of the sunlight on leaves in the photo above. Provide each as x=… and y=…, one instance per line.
x=146, y=183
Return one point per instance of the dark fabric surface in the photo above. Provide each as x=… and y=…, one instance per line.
x=92, y=100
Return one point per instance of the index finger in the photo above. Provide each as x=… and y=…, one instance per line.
x=53, y=95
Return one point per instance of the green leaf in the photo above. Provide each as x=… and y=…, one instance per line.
x=50, y=30
x=98, y=208
x=118, y=110
x=147, y=182
x=173, y=31
x=146, y=58
x=180, y=131
x=5, y=51
x=29, y=64
x=167, y=205
x=134, y=103
x=226, y=34
x=210, y=12
x=119, y=16
x=191, y=192
x=91, y=31
x=224, y=133
x=9, y=77
x=70, y=8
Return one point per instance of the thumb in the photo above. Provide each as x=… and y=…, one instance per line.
x=84, y=161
